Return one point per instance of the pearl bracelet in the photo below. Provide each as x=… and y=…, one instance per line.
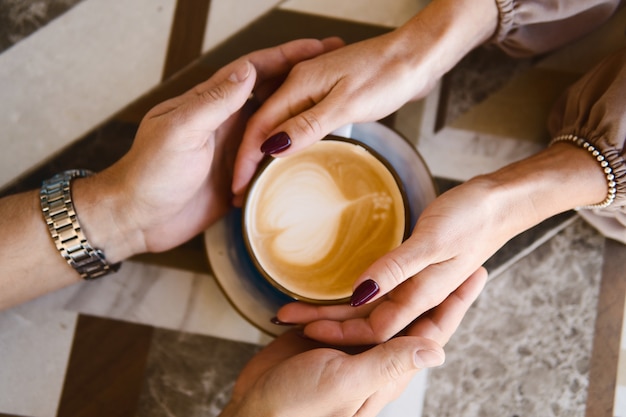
x=604, y=164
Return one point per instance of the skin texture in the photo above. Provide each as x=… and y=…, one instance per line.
x=461, y=229
x=365, y=81
x=171, y=185
x=456, y=234
x=296, y=376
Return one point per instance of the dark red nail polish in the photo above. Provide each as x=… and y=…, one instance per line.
x=277, y=322
x=277, y=143
x=364, y=292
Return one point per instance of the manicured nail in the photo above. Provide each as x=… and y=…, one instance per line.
x=428, y=358
x=277, y=143
x=364, y=292
x=280, y=323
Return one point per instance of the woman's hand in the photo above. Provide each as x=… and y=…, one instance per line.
x=295, y=376
x=365, y=81
x=454, y=235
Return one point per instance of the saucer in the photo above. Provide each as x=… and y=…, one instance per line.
x=245, y=288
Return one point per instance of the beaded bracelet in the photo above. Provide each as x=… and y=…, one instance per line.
x=608, y=171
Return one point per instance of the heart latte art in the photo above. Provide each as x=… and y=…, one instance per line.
x=317, y=219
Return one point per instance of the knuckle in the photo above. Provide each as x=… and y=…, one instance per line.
x=392, y=368
x=299, y=70
x=394, y=271
x=382, y=334
x=213, y=94
x=309, y=124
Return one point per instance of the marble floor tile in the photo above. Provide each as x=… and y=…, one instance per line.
x=482, y=72
x=462, y=154
x=190, y=375
x=106, y=369
x=165, y=298
x=524, y=347
x=43, y=110
x=20, y=18
x=35, y=342
x=520, y=108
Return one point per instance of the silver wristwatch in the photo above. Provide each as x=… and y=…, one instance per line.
x=60, y=216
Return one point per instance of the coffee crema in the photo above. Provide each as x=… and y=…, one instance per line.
x=314, y=221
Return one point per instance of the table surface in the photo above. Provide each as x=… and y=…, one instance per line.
x=159, y=338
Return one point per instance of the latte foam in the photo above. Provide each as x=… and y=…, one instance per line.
x=316, y=220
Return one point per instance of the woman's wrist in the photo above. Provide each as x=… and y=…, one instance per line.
x=560, y=178
x=446, y=30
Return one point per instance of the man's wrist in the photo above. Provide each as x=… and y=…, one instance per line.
x=59, y=213
x=104, y=217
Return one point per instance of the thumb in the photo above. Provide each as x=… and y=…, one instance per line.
x=397, y=358
x=215, y=100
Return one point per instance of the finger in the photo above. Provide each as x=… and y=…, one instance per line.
x=268, y=82
x=306, y=107
x=440, y=323
x=302, y=313
x=270, y=64
x=391, y=270
x=267, y=134
x=283, y=105
x=208, y=105
x=399, y=308
x=378, y=375
x=392, y=361
x=279, y=60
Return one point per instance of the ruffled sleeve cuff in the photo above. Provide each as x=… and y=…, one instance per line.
x=592, y=114
x=530, y=27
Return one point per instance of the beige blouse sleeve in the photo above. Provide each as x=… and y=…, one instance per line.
x=592, y=112
x=528, y=27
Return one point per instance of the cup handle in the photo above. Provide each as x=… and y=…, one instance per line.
x=343, y=131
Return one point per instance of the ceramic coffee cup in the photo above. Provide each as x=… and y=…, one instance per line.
x=315, y=220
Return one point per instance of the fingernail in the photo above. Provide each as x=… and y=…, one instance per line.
x=277, y=143
x=240, y=73
x=428, y=358
x=280, y=323
x=364, y=292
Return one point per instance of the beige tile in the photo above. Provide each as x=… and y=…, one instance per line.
x=461, y=154
x=35, y=344
x=166, y=298
x=619, y=407
x=520, y=109
x=74, y=73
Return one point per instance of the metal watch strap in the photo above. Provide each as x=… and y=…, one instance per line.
x=58, y=211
